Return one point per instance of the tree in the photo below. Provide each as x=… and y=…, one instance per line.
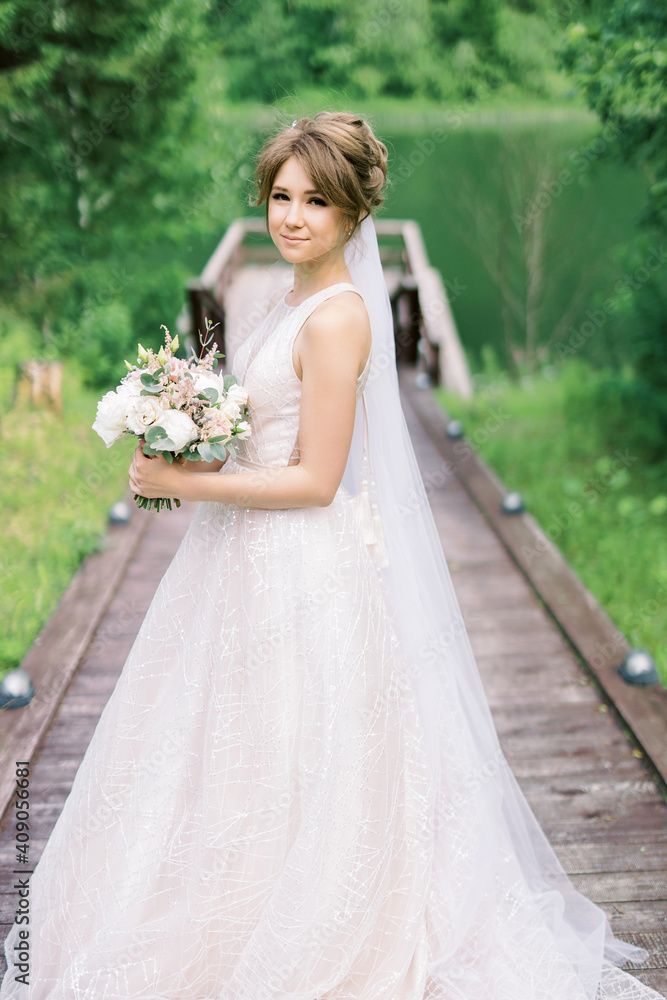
x=100, y=131
x=621, y=67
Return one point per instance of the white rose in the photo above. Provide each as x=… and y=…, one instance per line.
x=238, y=393
x=111, y=419
x=178, y=427
x=231, y=410
x=208, y=380
x=141, y=413
x=243, y=429
x=130, y=388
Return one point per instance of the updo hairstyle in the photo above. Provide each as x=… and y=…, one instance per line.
x=338, y=150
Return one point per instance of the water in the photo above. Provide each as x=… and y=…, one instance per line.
x=522, y=217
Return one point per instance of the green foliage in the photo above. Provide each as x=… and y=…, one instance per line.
x=620, y=64
x=58, y=483
x=621, y=67
x=435, y=49
x=474, y=20
x=111, y=158
x=272, y=49
x=594, y=496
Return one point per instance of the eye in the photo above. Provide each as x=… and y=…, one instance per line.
x=281, y=194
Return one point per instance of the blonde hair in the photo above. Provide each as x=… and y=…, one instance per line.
x=339, y=153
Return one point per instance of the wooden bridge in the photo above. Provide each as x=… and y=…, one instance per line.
x=589, y=752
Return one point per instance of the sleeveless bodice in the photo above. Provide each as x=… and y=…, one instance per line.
x=263, y=364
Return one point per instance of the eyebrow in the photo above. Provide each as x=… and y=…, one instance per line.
x=277, y=187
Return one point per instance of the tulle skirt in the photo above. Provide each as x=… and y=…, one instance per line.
x=254, y=816
x=251, y=817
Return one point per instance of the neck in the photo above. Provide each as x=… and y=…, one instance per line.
x=312, y=276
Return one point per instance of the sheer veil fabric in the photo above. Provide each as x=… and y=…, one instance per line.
x=498, y=895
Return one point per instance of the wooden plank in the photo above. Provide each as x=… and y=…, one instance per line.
x=631, y=917
x=57, y=651
x=581, y=768
x=656, y=979
x=655, y=944
x=646, y=822
x=599, y=642
x=619, y=887
x=588, y=858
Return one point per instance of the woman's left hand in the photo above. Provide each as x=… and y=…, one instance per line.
x=154, y=477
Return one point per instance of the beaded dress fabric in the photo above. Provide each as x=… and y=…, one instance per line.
x=252, y=819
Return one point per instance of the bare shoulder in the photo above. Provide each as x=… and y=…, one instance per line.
x=340, y=325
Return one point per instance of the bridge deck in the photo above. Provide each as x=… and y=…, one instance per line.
x=595, y=799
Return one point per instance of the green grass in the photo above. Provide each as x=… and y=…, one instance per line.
x=58, y=483
x=603, y=506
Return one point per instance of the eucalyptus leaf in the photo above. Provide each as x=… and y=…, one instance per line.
x=206, y=451
x=228, y=381
x=154, y=433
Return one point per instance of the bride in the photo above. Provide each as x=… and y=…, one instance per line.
x=295, y=791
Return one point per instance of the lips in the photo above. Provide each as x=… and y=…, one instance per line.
x=294, y=239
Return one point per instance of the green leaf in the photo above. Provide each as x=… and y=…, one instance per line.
x=658, y=505
x=147, y=378
x=206, y=451
x=154, y=433
x=228, y=381
x=164, y=444
x=218, y=451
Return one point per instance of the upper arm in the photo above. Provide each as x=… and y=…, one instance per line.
x=333, y=345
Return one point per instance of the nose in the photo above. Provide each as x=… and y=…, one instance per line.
x=294, y=216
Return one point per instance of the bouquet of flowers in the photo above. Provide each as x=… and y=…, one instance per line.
x=178, y=407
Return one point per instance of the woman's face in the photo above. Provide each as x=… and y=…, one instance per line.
x=297, y=210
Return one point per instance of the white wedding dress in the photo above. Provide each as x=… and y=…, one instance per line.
x=251, y=820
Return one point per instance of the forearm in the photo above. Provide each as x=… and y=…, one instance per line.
x=268, y=489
